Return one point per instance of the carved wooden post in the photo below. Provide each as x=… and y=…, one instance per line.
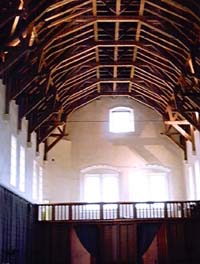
x=101, y=211
x=70, y=212
x=165, y=210
x=134, y=211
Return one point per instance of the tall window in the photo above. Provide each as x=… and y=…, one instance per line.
x=40, y=191
x=22, y=169
x=35, y=181
x=191, y=183
x=148, y=186
x=121, y=120
x=101, y=187
x=197, y=178
x=13, y=161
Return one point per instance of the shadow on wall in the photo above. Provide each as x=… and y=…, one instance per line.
x=144, y=147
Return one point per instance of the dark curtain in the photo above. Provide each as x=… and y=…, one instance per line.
x=16, y=222
x=145, y=236
x=89, y=237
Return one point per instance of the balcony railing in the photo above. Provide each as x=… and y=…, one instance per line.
x=118, y=210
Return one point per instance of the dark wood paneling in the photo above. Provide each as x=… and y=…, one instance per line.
x=16, y=228
x=175, y=242
x=162, y=245
x=52, y=243
x=118, y=243
x=184, y=242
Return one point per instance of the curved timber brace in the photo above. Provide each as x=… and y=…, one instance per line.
x=58, y=134
x=179, y=129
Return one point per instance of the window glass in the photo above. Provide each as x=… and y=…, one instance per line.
x=197, y=179
x=110, y=188
x=40, y=192
x=148, y=186
x=22, y=169
x=35, y=181
x=92, y=189
x=101, y=187
x=121, y=120
x=158, y=187
x=191, y=183
x=138, y=188
x=13, y=161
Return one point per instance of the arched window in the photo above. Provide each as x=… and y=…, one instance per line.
x=149, y=185
x=121, y=120
x=97, y=185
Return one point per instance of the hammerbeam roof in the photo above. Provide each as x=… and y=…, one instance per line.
x=58, y=55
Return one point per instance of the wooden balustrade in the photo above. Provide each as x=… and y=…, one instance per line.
x=118, y=210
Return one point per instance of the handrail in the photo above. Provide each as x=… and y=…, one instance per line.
x=82, y=211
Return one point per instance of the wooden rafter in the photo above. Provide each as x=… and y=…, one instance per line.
x=181, y=125
x=63, y=54
x=137, y=38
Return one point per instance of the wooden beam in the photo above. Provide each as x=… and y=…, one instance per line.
x=113, y=19
x=13, y=57
x=81, y=102
x=137, y=39
x=25, y=110
x=58, y=137
x=68, y=18
x=54, y=135
x=72, y=95
x=94, y=11
x=74, y=79
x=16, y=20
x=183, y=113
x=177, y=122
x=181, y=8
x=68, y=32
x=42, y=136
x=182, y=132
x=67, y=11
x=119, y=43
x=34, y=125
x=116, y=37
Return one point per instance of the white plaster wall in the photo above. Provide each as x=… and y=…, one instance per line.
x=58, y=174
x=193, y=156
x=90, y=143
x=8, y=126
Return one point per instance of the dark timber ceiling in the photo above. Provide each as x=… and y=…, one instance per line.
x=58, y=55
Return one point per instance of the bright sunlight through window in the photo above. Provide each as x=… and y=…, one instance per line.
x=121, y=120
x=22, y=169
x=148, y=186
x=191, y=184
x=35, y=181
x=97, y=188
x=13, y=161
x=40, y=191
x=197, y=178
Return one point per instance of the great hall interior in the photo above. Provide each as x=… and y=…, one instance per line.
x=99, y=131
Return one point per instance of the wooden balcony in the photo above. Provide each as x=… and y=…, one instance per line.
x=123, y=211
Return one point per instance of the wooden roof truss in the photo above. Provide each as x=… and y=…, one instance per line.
x=58, y=55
